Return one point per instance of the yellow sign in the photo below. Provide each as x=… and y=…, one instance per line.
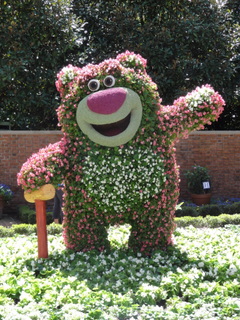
x=46, y=192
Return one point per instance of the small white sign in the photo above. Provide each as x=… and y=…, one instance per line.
x=206, y=185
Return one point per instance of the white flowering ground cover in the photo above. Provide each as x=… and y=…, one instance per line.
x=196, y=279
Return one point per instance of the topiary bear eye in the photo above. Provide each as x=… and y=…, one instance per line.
x=109, y=81
x=93, y=85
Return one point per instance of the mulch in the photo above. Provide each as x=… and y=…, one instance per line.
x=8, y=221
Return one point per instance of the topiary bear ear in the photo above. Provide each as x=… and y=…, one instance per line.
x=67, y=74
x=132, y=60
x=66, y=77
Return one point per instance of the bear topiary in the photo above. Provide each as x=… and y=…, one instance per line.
x=117, y=156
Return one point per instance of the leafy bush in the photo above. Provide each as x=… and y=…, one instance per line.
x=25, y=229
x=233, y=208
x=195, y=178
x=187, y=43
x=217, y=207
x=36, y=39
x=28, y=229
x=209, y=209
x=54, y=229
x=187, y=211
x=209, y=221
x=197, y=222
x=28, y=215
x=122, y=231
x=6, y=232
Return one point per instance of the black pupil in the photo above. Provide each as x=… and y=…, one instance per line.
x=93, y=85
x=108, y=81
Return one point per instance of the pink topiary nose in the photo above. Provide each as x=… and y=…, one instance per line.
x=107, y=101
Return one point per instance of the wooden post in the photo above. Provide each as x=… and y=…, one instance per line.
x=41, y=228
x=39, y=197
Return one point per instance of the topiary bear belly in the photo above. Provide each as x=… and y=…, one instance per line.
x=117, y=179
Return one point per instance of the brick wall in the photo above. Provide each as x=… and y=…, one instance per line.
x=15, y=148
x=217, y=150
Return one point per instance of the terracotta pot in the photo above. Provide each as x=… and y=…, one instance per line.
x=200, y=199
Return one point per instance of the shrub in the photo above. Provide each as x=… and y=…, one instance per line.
x=197, y=222
x=186, y=211
x=36, y=37
x=26, y=229
x=209, y=209
x=54, y=229
x=208, y=221
x=28, y=215
x=6, y=232
x=184, y=42
x=195, y=178
x=233, y=208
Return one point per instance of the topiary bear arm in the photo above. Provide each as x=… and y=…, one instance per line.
x=192, y=112
x=43, y=167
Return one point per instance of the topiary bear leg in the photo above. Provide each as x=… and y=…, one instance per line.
x=151, y=232
x=85, y=234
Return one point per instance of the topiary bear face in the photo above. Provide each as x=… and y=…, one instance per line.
x=106, y=101
x=109, y=117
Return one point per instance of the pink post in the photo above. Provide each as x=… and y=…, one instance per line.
x=41, y=228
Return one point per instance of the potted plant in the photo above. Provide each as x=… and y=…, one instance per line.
x=6, y=195
x=198, y=182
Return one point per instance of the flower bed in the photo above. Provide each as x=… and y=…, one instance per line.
x=5, y=192
x=215, y=208
x=198, y=278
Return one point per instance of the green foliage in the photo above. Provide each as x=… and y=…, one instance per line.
x=24, y=228
x=119, y=236
x=36, y=40
x=208, y=221
x=195, y=279
x=28, y=215
x=230, y=12
x=209, y=209
x=197, y=222
x=6, y=232
x=6, y=192
x=186, y=211
x=54, y=229
x=233, y=208
x=186, y=43
x=195, y=178
x=28, y=229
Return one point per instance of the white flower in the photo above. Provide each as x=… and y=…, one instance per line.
x=232, y=270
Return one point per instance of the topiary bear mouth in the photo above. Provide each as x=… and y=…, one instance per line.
x=113, y=129
x=110, y=129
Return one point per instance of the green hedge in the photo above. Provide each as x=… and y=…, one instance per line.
x=209, y=209
x=27, y=229
x=209, y=221
x=198, y=222
x=28, y=215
